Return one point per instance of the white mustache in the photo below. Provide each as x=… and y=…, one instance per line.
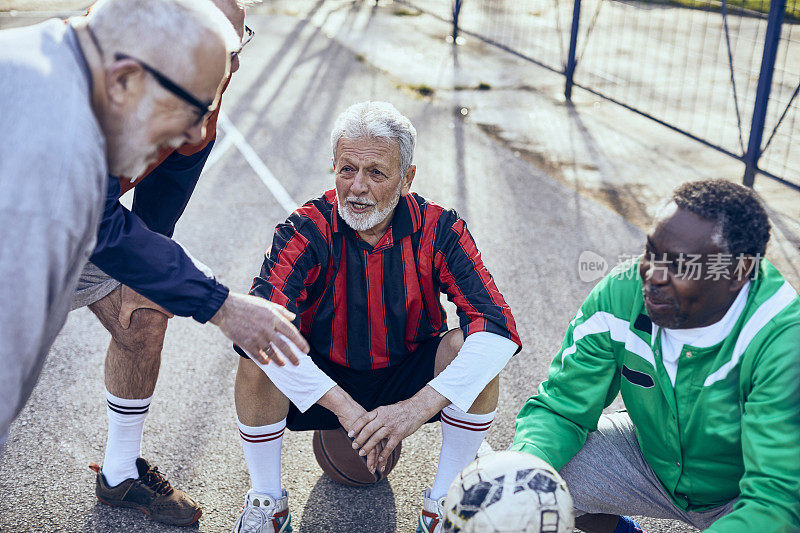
x=357, y=200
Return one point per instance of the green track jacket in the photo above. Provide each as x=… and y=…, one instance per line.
x=731, y=425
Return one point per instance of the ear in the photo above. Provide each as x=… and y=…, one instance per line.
x=407, y=179
x=125, y=82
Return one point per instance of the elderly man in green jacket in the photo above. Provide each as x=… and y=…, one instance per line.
x=701, y=336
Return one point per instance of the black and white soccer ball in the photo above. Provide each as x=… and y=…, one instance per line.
x=508, y=492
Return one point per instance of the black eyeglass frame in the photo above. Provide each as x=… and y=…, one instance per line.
x=203, y=107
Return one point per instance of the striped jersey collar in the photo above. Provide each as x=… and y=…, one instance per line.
x=406, y=219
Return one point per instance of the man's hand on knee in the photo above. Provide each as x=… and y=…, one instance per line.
x=147, y=323
x=131, y=301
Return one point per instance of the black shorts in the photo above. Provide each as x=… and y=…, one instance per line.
x=369, y=388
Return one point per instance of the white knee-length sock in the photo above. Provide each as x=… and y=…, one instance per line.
x=124, y=445
x=262, y=451
x=462, y=434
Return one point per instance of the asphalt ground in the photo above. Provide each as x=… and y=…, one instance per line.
x=531, y=220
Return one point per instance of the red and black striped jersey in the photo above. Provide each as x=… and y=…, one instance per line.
x=369, y=307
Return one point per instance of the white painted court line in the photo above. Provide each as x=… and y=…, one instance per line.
x=258, y=166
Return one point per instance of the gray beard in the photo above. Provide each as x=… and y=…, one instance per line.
x=370, y=219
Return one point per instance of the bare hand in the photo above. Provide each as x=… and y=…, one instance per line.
x=256, y=325
x=348, y=412
x=131, y=301
x=378, y=432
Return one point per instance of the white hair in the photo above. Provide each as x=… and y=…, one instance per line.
x=377, y=119
x=146, y=29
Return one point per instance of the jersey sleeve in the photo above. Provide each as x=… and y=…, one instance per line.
x=292, y=264
x=468, y=283
x=582, y=381
x=769, y=497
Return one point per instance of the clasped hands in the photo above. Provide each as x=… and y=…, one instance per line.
x=378, y=432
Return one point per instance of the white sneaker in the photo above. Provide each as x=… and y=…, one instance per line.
x=263, y=514
x=432, y=515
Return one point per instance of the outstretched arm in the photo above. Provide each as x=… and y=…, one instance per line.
x=154, y=265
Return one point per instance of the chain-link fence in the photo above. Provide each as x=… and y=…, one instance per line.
x=726, y=74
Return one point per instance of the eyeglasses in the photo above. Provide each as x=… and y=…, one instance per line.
x=202, y=107
x=165, y=82
x=249, y=33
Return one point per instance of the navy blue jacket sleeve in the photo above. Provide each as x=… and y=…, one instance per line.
x=149, y=262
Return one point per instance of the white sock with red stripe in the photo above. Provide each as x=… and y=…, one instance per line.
x=462, y=434
x=125, y=426
x=262, y=451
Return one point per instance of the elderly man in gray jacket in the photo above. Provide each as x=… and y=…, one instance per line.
x=79, y=101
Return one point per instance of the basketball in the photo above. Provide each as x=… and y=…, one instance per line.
x=337, y=458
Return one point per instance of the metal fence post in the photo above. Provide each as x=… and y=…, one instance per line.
x=777, y=8
x=569, y=72
x=456, y=13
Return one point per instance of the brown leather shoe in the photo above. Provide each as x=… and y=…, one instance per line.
x=150, y=493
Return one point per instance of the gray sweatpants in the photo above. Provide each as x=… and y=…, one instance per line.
x=609, y=475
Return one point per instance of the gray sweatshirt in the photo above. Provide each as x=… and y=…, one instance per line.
x=53, y=176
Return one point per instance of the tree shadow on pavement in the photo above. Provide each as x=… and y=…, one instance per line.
x=332, y=506
x=624, y=198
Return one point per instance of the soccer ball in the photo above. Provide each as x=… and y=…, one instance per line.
x=508, y=492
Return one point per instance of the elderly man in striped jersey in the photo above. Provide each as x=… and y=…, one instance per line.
x=702, y=338
x=363, y=267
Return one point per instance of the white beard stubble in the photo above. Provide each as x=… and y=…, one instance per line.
x=373, y=216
